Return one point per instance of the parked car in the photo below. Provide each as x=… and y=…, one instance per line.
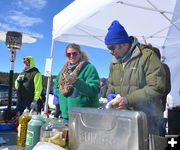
x=4, y=88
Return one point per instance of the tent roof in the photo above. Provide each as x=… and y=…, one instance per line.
x=86, y=21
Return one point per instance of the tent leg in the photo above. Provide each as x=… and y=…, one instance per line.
x=49, y=78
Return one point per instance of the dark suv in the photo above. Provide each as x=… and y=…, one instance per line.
x=4, y=94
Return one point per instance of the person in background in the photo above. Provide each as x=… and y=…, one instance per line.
x=104, y=87
x=78, y=81
x=56, y=101
x=136, y=74
x=102, y=94
x=170, y=103
x=28, y=85
x=41, y=101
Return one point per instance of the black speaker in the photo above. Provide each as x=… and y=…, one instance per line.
x=174, y=121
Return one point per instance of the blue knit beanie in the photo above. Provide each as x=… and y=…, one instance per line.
x=116, y=34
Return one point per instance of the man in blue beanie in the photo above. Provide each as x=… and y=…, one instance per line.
x=136, y=74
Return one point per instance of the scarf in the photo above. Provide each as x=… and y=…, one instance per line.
x=64, y=87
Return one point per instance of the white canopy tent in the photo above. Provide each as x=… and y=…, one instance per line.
x=153, y=21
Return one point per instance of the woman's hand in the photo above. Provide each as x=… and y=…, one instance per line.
x=70, y=79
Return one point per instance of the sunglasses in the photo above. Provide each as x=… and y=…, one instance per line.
x=113, y=47
x=72, y=54
x=26, y=62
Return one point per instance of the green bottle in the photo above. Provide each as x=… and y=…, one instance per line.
x=33, y=131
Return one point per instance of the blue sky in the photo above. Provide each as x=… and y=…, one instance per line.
x=34, y=17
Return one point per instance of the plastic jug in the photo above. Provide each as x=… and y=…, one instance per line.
x=33, y=131
x=22, y=128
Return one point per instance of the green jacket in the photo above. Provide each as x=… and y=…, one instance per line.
x=36, y=84
x=139, y=76
x=85, y=90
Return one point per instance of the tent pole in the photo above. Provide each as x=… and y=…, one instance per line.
x=162, y=13
x=147, y=8
x=49, y=77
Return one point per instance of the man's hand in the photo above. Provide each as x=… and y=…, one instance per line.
x=120, y=103
x=34, y=105
x=20, y=78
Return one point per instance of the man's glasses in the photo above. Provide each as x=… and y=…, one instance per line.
x=113, y=47
x=26, y=62
x=72, y=54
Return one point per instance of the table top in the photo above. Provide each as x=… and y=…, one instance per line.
x=11, y=147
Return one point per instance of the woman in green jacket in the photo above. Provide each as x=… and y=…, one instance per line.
x=77, y=84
